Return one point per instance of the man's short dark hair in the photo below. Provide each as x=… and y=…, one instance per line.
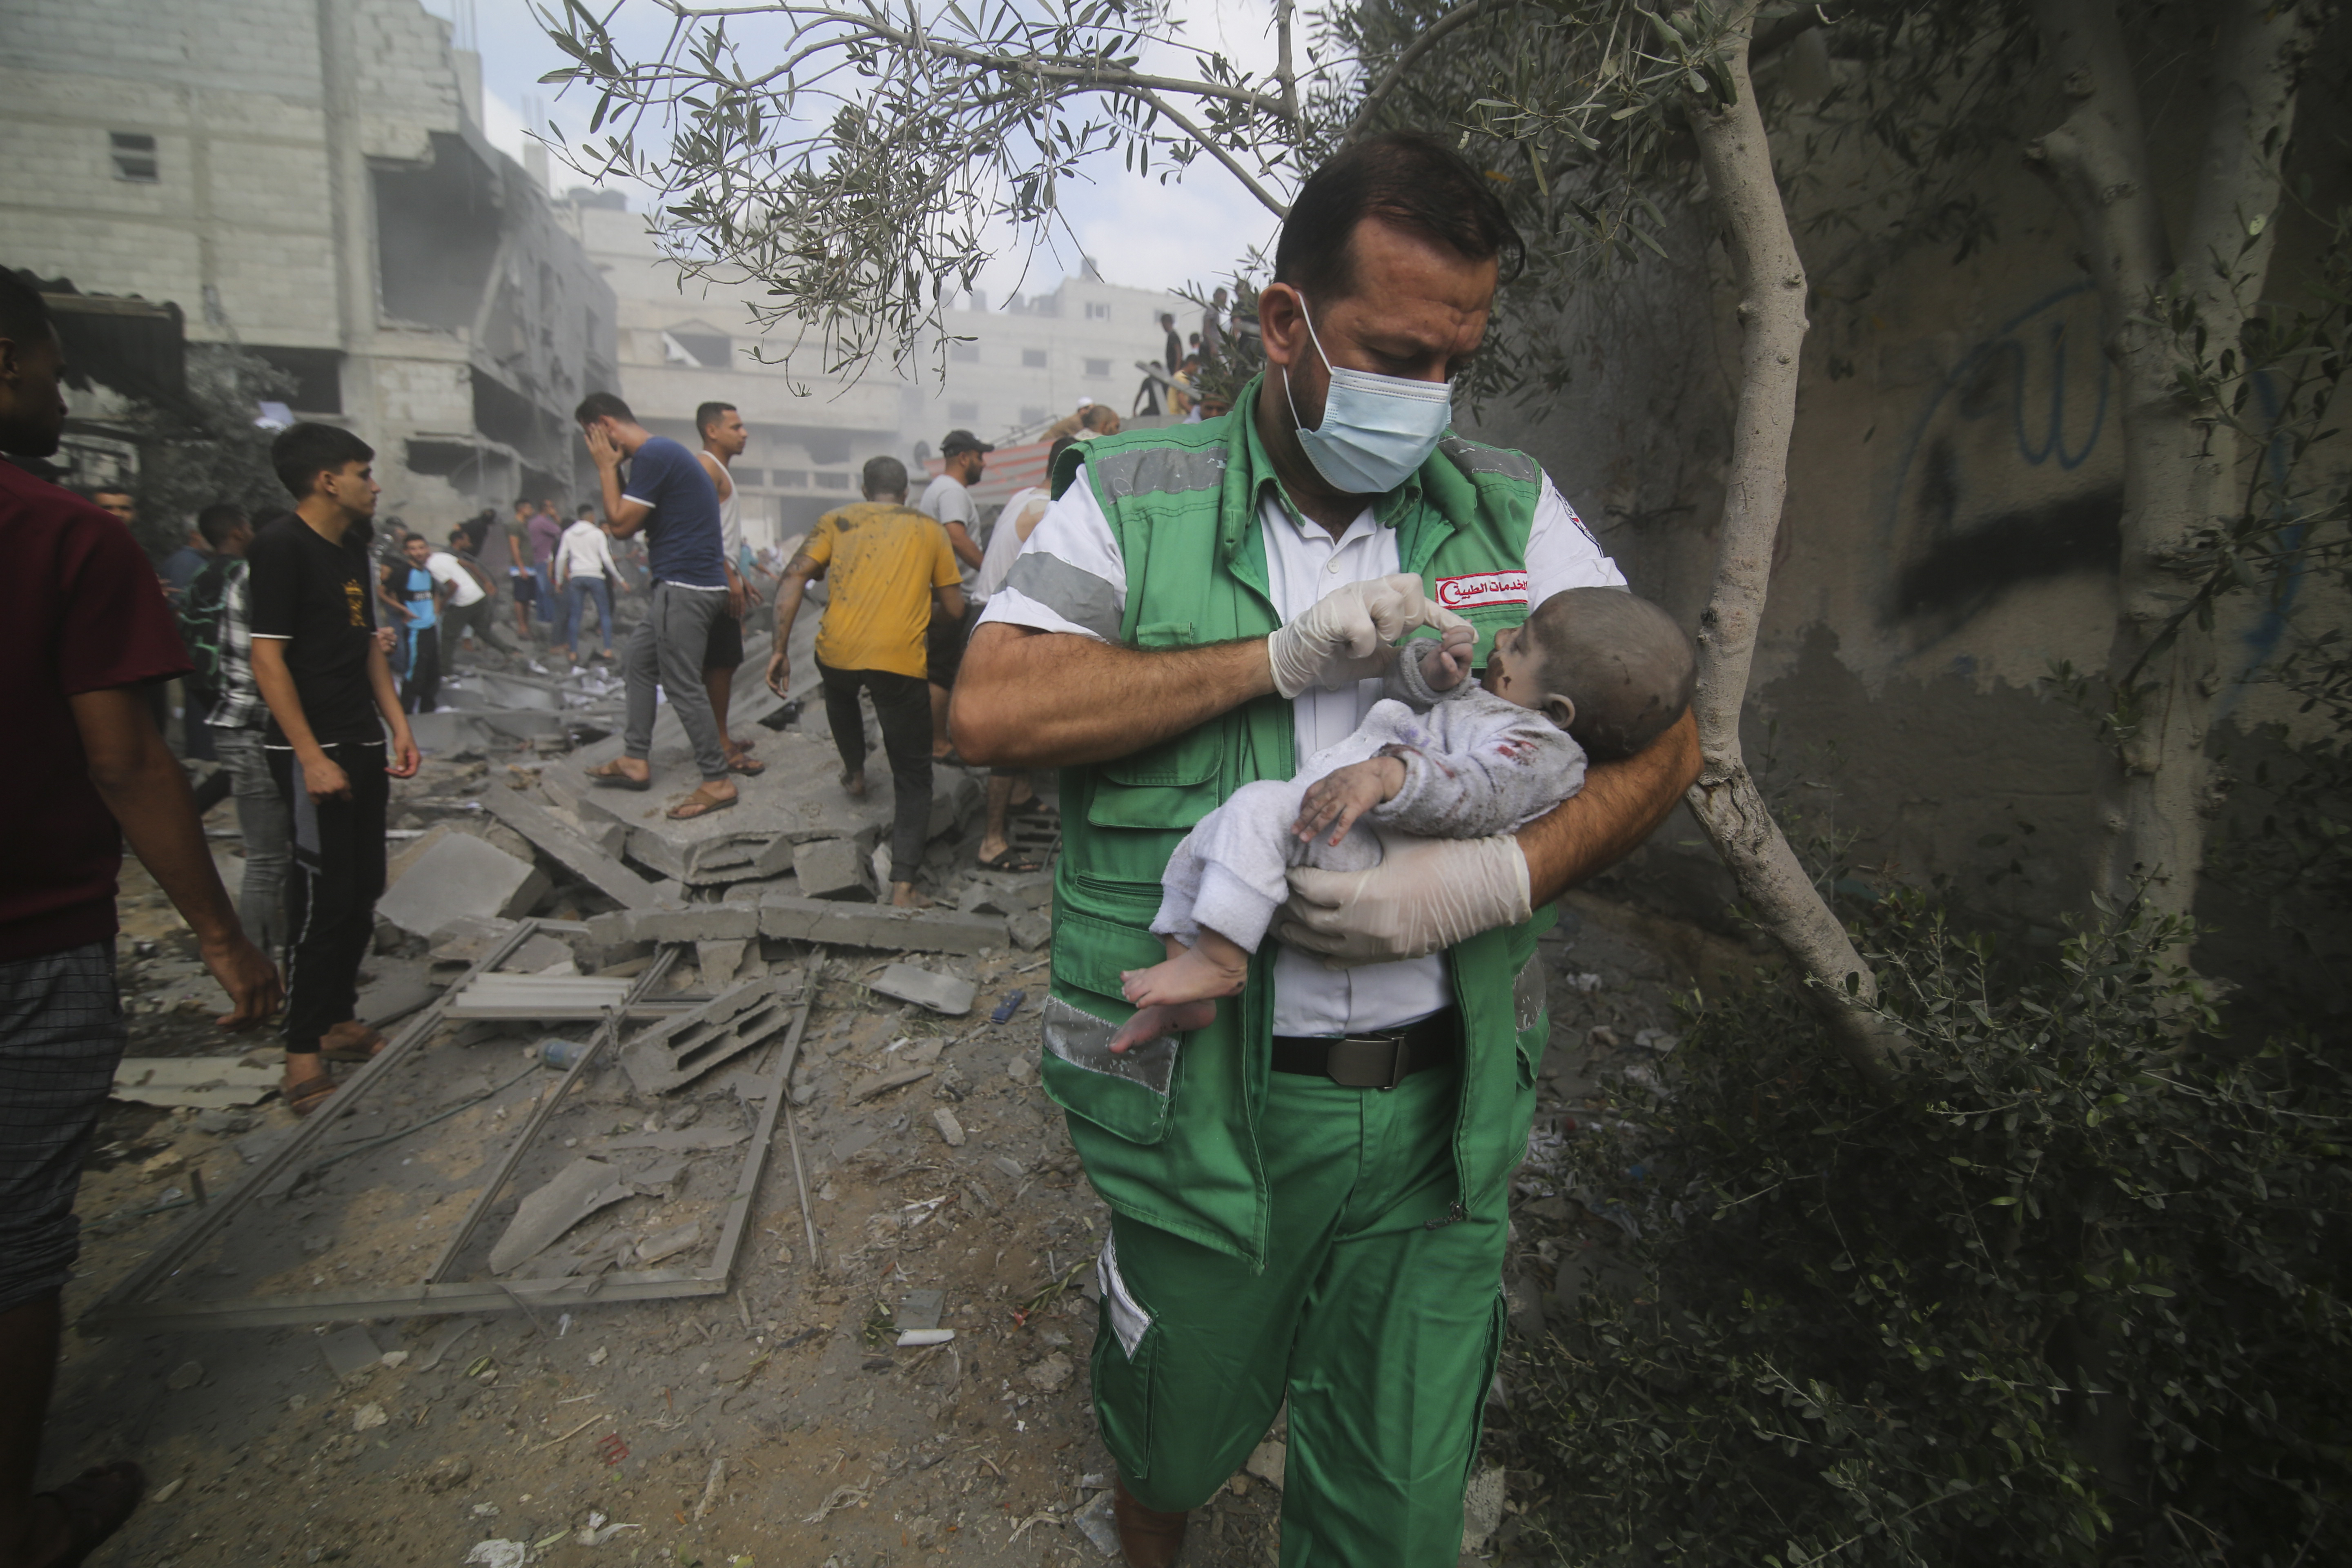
x=602, y=405
x=97, y=491
x=218, y=520
x=303, y=452
x=884, y=476
x=1405, y=177
x=708, y=415
x=23, y=314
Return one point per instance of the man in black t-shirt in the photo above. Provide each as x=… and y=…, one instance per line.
x=320, y=668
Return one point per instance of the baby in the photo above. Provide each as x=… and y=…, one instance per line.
x=1595, y=672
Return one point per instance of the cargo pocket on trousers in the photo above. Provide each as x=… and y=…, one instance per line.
x=1126, y=1344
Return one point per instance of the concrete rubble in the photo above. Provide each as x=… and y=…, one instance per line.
x=917, y=1342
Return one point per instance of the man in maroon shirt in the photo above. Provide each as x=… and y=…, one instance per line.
x=84, y=629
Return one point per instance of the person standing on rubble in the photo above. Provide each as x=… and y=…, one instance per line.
x=723, y=440
x=947, y=499
x=584, y=571
x=889, y=577
x=672, y=501
x=519, y=575
x=322, y=673
x=412, y=589
x=1309, y=1195
x=84, y=631
x=238, y=721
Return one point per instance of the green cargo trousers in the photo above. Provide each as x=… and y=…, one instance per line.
x=1379, y=1313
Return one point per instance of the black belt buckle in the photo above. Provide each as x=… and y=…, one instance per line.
x=1370, y=1061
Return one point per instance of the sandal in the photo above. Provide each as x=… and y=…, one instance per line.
x=698, y=804
x=304, y=1096
x=1034, y=807
x=96, y=1504
x=1004, y=862
x=610, y=776
x=355, y=1042
x=742, y=761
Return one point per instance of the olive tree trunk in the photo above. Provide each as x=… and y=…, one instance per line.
x=2182, y=472
x=1771, y=282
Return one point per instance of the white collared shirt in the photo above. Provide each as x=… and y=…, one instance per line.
x=1077, y=582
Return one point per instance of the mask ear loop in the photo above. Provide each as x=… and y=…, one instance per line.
x=1307, y=316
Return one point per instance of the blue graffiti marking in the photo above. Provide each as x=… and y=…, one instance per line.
x=2006, y=340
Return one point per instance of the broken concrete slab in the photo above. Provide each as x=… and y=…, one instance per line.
x=873, y=1084
x=832, y=869
x=206, y=1083
x=468, y=938
x=670, y=1243
x=702, y=922
x=575, y=1192
x=462, y=874
x=1030, y=929
x=589, y=859
x=877, y=926
x=539, y=954
x=721, y=961
x=452, y=734
x=951, y=1129
x=1265, y=1462
x=390, y=1001
x=349, y=1353
x=678, y=1052
x=927, y=988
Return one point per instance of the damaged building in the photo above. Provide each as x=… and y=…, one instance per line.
x=308, y=181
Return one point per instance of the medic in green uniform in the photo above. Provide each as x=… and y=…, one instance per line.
x=1309, y=1195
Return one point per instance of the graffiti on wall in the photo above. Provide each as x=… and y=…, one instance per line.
x=2003, y=479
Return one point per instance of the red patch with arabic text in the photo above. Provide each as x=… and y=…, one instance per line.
x=1483, y=590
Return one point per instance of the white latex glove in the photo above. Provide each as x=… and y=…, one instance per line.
x=1426, y=895
x=1345, y=636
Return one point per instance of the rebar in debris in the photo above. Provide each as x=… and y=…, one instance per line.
x=792, y=1122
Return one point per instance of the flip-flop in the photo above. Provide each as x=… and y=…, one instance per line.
x=747, y=766
x=610, y=776
x=96, y=1504
x=1034, y=807
x=304, y=1098
x=1004, y=862
x=694, y=806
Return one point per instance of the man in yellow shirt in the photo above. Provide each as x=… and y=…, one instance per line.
x=884, y=565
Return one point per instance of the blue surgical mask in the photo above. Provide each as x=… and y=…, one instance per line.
x=1376, y=429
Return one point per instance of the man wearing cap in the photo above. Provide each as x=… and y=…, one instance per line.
x=948, y=501
x=1308, y=1197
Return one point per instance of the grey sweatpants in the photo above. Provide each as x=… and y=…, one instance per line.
x=268, y=824
x=667, y=647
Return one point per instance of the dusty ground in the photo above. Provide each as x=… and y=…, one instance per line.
x=775, y=1425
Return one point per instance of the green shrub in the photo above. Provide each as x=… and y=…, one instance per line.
x=2079, y=1297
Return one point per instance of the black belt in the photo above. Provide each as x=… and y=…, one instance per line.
x=1378, y=1058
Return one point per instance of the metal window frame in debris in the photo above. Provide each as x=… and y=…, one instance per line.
x=132, y=1303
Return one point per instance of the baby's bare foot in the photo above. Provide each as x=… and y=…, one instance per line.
x=1153, y=1022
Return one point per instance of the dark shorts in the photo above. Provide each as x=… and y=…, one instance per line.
x=725, y=649
x=944, y=644
x=526, y=587
x=61, y=1036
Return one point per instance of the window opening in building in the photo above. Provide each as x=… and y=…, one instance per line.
x=135, y=156
x=963, y=412
x=965, y=353
x=1097, y=312
x=1098, y=367
x=832, y=481
x=1033, y=358
x=788, y=478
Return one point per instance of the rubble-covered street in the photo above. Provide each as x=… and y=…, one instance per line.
x=914, y=1387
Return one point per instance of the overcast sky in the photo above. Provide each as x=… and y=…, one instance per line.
x=1138, y=231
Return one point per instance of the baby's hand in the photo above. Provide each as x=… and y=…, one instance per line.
x=1340, y=796
x=1444, y=662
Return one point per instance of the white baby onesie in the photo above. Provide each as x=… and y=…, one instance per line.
x=1475, y=766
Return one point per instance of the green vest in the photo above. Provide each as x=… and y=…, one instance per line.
x=1169, y=1130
